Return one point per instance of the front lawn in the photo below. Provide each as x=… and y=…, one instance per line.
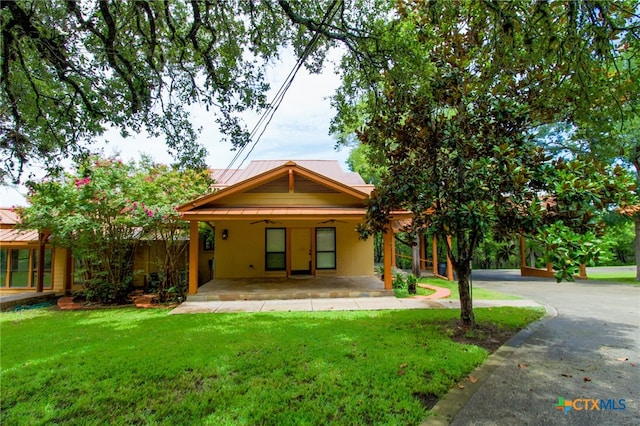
x=619, y=277
x=127, y=366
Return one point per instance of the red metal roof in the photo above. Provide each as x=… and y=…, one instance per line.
x=328, y=168
x=8, y=216
x=15, y=236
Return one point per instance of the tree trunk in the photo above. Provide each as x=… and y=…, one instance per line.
x=636, y=246
x=415, y=251
x=466, y=303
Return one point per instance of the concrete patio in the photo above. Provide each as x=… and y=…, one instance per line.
x=303, y=287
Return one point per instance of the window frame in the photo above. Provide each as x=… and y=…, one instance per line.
x=283, y=253
x=32, y=268
x=334, y=251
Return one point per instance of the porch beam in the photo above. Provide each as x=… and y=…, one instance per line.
x=423, y=252
x=291, y=181
x=194, y=246
x=387, y=242
x=393, y=247
x=40, y=273
x=434, y=255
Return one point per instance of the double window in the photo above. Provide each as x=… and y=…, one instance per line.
x=276, y=249
x=19, y=267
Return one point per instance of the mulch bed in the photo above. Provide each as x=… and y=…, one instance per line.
x=487, y=336
x=73, y=303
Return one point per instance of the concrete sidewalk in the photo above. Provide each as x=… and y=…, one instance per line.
x=335, y=304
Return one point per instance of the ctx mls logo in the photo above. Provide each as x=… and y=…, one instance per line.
x=589, y=404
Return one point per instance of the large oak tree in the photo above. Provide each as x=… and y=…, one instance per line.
x=71, y=69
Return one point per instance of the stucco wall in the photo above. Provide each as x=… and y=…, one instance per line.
x=242, y=255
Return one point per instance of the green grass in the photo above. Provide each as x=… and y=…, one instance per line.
x=623, y=277
x=479, y=293
x=403, y=292
x=127, y=366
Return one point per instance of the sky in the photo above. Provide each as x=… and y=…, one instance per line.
x=298, y=130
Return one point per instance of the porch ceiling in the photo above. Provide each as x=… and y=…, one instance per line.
x=251, y=213
x=282, y=213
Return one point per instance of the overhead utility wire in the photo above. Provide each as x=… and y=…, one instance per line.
x=279, y=96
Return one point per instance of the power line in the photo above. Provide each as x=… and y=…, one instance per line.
x=267, y=116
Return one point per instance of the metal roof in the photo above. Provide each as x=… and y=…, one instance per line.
x=16, y=236
x=8, y=216
x=328, y=168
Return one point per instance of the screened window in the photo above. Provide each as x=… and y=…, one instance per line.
x=276, y=252
x=326, y=248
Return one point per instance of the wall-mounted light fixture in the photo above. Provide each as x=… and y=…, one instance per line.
x=225, y=234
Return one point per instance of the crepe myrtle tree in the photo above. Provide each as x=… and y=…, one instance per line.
x=451, y=108
x=102, y=210
x=83, y=212
x=164, y=189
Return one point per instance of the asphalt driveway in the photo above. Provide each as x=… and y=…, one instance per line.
x=590, y=350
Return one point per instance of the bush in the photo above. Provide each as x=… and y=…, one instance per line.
x=99, y=290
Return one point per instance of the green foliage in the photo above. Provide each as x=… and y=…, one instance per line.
x=399, y=282
x=618, y=237
x=103, y=210
x=71, y=69
x=567, y=250
x=492, y=253
x=307, y=368
x=86, y=212
x=411, y=283
x=450, y=103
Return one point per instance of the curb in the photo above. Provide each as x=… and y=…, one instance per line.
x=448, y=407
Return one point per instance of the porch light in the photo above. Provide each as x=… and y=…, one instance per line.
x=225, y=234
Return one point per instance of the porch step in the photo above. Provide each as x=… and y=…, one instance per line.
x=208, y=297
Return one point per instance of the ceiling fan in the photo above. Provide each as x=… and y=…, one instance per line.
x=332, y=221
x=267, y=221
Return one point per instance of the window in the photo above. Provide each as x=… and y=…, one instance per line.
x=325, y=248
x=47, y=268
x=19, y=273
x=4, y=255
x=276, y=252
x=19, y=267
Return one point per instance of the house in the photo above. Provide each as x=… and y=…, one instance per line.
x=283, y=219
x=273, y=219
x=27, y=262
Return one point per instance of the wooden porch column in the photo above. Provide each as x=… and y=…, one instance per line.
x=40, y=274
x=393, y=246
x=434, y=255
x=423, y=252
x=387, y=242
x=449, y=264
x=194, y=248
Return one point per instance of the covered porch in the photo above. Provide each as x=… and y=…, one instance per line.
x=282, y=288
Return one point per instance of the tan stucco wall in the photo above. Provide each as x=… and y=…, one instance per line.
x=148, y=257
x=59, y=266
x=242, y=255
